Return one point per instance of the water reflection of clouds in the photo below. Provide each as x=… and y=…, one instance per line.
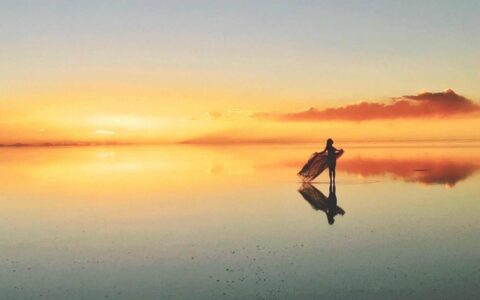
x=427, y=171
x=433, y=171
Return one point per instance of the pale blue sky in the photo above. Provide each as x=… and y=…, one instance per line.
x=332, y=50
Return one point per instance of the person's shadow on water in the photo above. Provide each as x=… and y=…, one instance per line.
x=318, y=201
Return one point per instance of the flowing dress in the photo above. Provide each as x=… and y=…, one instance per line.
x=317, y=163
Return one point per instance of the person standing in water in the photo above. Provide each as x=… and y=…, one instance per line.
x=332, y=153
x=319, y=161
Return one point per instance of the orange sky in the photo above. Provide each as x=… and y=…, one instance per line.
x=237, y=72
x=133, y=115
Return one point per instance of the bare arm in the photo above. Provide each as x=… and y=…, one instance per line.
x=337, y=150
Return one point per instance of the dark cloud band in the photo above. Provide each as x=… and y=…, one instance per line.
x=442, y=104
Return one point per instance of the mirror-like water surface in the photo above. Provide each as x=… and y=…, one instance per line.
x=185, y=222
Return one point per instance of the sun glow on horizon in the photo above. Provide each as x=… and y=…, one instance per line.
x=122, y=72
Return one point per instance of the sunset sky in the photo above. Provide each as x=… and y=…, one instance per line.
x=238, y=71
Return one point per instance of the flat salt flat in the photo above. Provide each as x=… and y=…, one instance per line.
x=188, y=222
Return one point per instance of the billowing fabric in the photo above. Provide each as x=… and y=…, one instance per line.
x=317, y=163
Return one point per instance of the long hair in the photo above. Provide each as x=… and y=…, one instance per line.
x=329, y=143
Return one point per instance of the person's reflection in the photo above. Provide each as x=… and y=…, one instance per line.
x=332, y=210
x=319, y=201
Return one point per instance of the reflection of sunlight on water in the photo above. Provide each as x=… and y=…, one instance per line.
x=112, y=167
x=177, y=217
x=105, y=155
x=215, y=169
x=156, y=168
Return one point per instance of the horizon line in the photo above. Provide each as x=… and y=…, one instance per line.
x=226, y=143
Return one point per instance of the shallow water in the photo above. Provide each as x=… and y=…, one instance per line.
x=185, y=222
